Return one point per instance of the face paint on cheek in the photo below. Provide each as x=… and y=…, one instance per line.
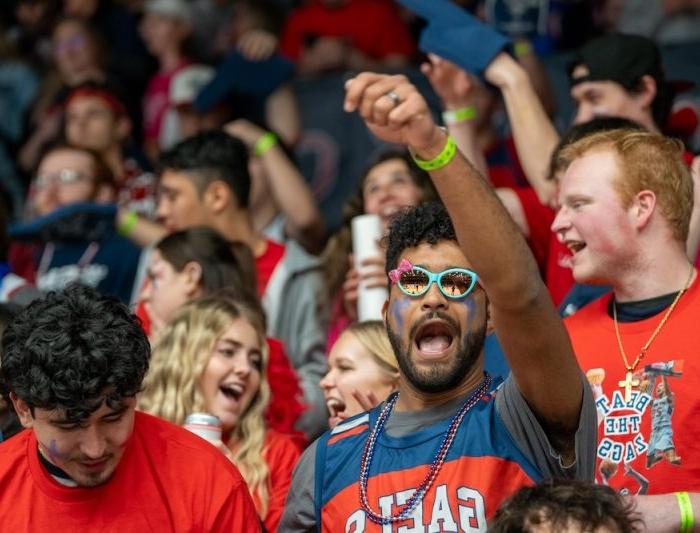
x=52, y=452
x=475, y=313
x=398, y=310
x=471, y=309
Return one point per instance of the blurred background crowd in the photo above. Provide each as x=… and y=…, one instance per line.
x=140, y=138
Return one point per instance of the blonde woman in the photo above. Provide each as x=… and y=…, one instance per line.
x=212, y=357
x=362, y=371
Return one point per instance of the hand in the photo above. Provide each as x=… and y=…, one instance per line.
x=244, y=130
x=367, y=401
x=370, y=275
x=453, y=85
x=409, y=122
x=504, y=71
x=257, y=45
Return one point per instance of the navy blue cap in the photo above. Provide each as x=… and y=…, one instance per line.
x=81, y=221
x=239, y=75
x=454, y=34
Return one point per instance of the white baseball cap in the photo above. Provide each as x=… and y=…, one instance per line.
x=176, y=9
x=187, y=83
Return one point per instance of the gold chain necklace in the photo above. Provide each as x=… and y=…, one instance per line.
x=630, y=381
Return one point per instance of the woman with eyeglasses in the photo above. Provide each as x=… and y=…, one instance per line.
x=70, y=237
x=67, y=175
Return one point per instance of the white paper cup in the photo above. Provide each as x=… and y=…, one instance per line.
x=366, y=233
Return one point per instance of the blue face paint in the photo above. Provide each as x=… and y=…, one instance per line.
x=475, y=312
x=398, y=309
x=471, y=306
x=52, y=451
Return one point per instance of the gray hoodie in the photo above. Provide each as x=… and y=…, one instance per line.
x=296, y=303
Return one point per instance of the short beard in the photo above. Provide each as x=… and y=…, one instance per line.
x=440, y=377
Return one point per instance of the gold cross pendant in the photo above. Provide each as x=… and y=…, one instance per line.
x=627, y=384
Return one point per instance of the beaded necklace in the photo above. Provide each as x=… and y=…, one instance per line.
x=435, y=466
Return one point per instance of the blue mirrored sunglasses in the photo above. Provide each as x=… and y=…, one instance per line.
x=453, y=283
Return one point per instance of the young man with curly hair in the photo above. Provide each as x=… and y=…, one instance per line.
x=567, y=505
x=72, y=364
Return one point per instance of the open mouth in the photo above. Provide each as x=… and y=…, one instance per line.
x=434, y=337
x=389, y=211
x=575, y=246
x=336, y=407
x=232, y=391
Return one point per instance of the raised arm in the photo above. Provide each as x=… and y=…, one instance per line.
x=531, y=333
x=456, y=89
x=289, y=191
x=534, y=134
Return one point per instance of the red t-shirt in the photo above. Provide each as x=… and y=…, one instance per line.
x=265, y=264
x=650, y=445
x=286, y=397
x=539, y=221
x=560, y=276
x=168, y=480
x=281, y=453
x=373, y=27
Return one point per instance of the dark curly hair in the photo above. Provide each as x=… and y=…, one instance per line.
x=335, y=257
x=427, y=222
x=562, y=503
x=210, y=156
x=74, y=350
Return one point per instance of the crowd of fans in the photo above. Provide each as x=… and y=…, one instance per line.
x=165, y=250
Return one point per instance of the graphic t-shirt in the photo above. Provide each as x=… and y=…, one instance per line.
x=167, y=480
x=499, y=447
x=651, y=443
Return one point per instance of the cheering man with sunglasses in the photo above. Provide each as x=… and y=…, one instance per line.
x=445, y=450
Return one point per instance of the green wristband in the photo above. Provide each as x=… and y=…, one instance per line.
x=128, y=224
x=522, y=48
x=266, y=141
x=444, y=157
x=452, y=116
x=686, y=509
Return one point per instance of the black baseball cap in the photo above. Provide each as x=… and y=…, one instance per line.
x=620, y=58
